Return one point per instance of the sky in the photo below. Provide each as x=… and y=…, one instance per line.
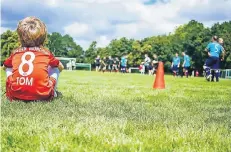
x=104, y=20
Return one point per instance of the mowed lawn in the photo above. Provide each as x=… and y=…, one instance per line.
x=115, y=112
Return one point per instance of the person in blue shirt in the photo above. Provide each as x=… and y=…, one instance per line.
x=186, y=64
x=214, y=50
x=175, y=65
x=123, y=64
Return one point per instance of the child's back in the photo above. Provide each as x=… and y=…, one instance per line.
x=32, y=71
x=30, y=79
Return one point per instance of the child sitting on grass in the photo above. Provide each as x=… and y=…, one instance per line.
x=32, y=71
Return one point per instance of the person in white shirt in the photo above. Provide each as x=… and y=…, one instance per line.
x=154, y=63
x=147, y=62
x=73, y=64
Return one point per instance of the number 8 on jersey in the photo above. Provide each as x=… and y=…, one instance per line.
x=28, y=62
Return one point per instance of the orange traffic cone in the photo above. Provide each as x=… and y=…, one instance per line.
x=159, y=81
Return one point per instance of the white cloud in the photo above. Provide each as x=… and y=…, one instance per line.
x=84, y=44
x=3, y=29
x=52, y=3
x=77, y=29
x=103, y=41
x=104, y=20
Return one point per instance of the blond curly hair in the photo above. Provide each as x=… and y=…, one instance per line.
x=32, y=32
x=220, y=40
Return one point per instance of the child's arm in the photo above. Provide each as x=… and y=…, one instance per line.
x=60, y=67
x=8, y=62
x=3, y=67
x=54, y=62
x=183, y=63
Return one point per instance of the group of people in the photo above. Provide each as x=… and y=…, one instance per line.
x=71, y=65
x=115, y=65
x=111, y=64
x=149, y=66
x=175, y=66
x=32, y=71
x=212, y=63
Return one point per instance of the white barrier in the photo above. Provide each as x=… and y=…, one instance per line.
x=132, y=68
x=226, y=74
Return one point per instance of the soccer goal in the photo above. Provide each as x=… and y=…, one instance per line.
x=83, y=66
x=68, y=63
x=226, y=73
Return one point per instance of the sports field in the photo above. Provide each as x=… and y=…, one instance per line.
x=115, y=112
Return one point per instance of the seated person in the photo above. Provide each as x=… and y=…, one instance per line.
x=32, y=71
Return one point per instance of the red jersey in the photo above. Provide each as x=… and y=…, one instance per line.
x=30, y=79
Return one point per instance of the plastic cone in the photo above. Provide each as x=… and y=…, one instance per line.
x=159, y=81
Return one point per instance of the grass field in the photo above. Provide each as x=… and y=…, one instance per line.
x=114, y=112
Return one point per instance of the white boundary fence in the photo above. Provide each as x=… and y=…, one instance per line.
x=226, y=73
x=68, y=63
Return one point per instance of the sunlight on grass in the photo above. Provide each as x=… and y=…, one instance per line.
x=114, y=112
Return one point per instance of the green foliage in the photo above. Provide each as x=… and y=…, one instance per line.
x=114, y=112
x=9, y=42
x=91, y=53
x=64, y=46
x=192, y=38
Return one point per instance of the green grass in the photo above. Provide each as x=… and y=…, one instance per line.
x=114, y=112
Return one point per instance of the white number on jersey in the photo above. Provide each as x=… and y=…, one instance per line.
x=216, y=46
x=28, y=62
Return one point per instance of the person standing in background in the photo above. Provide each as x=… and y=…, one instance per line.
x=155, y=63
x=186, y=64
x=147, y=62
x=214, y=50
x=123, y=64
x=116, y=63
x=110, y=63
x=103, y=64
x=97, y=63
x=73, y=64
x=175, y=65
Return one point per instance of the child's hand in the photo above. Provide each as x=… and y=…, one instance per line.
x=3, y=67
x=60, y=67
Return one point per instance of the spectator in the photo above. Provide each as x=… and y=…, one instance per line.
x=97, y=63
x=142, y=68
x=175, y=65
x=110, y=63
x=73, y=64
x=123, y=64
x=103, y=64
x=147, y=62
x=155, y=63
x=186, y=64
x=214, y=50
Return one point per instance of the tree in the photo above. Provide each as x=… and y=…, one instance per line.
x=91, y=53
x=64, y=46
x=54, y=43
x=9, y=42
x=192, y=37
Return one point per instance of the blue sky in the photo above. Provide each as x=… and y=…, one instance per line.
x=104, y=20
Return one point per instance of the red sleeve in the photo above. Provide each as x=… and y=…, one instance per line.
x=53, y=61
x=8, y=62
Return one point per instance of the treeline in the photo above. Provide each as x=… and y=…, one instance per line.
x=192, y=38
